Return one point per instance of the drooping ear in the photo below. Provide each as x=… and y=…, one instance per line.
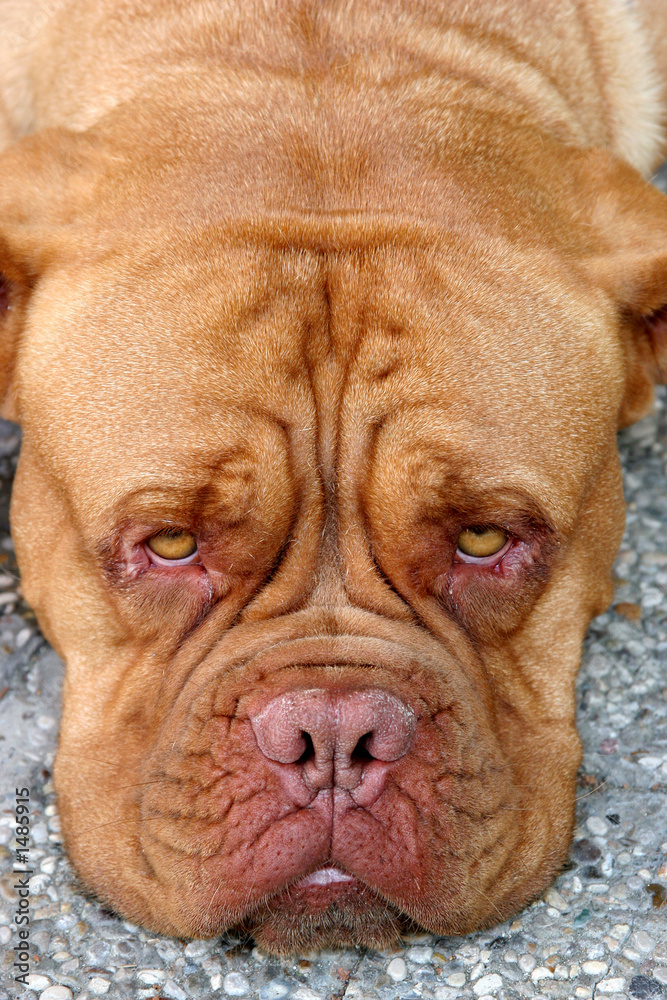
x=639, y=282
x=46, y=182
x=628, y=260
x=13, y=296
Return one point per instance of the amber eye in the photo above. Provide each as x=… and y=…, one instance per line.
x=481, y=542
x=173, y=543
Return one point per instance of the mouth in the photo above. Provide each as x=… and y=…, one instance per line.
x=327, y=908
x=326, y=878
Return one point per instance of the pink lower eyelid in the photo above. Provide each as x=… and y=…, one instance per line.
x=485, y=560
x=168, y=563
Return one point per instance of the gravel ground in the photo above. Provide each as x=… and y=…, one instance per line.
x=600, y=932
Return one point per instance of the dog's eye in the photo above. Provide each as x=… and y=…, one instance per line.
x=173, y=545
x=481, y=543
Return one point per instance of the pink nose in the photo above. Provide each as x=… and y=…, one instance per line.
x=336, y=738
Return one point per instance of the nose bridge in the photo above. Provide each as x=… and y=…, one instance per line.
x=328, y=357
x=329, y=587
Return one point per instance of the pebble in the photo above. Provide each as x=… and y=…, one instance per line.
x=487, y=984
x=649, y=763
x=173, y=991
x=642, y=942
x=22, y=637
x=39, y=833
x=594, y=968
x=554, y=898
x=586, y=851
x=397, y=970
x=56, y=993
x=275, y=990
x=236, y=984
x=597, y=826
x=37, y=982
x=645, y=988
x=151, y=977
x=660, y=973
x=610, y=985
x=197, y=949
x=421, y=956
x=527, y=963
x=456, y=979
x=99, y=986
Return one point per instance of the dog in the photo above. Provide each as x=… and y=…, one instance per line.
x=320, y=319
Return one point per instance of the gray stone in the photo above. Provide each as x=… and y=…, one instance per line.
x=235, y=984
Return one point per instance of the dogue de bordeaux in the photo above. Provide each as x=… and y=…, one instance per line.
x=320, y=318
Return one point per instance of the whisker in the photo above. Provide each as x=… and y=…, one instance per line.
x=83, y=756
x=487, y=898
x=140, y=784
x=592, y=791
x=212, y=899
x=124, y=822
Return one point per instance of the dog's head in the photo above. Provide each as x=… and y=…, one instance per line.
x=317, y=505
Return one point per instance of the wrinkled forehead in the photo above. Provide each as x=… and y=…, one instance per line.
x=154, y=358
x=146, y=359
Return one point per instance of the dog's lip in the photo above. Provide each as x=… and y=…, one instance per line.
x=329, y=875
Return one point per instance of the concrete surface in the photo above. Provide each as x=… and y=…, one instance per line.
x=600, y=932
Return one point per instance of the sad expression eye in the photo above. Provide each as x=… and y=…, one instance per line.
x=481, y=544
x=172, y=545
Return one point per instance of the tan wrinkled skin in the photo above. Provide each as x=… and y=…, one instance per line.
x=323, y=290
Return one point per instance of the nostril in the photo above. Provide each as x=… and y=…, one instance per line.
x=309, y=751
x=361, y=754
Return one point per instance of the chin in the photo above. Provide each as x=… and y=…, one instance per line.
x=327, y=909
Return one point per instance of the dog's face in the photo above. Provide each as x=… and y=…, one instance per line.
x=318, y=523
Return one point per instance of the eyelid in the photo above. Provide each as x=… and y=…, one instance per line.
x=491, y=560
x=157, y=560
